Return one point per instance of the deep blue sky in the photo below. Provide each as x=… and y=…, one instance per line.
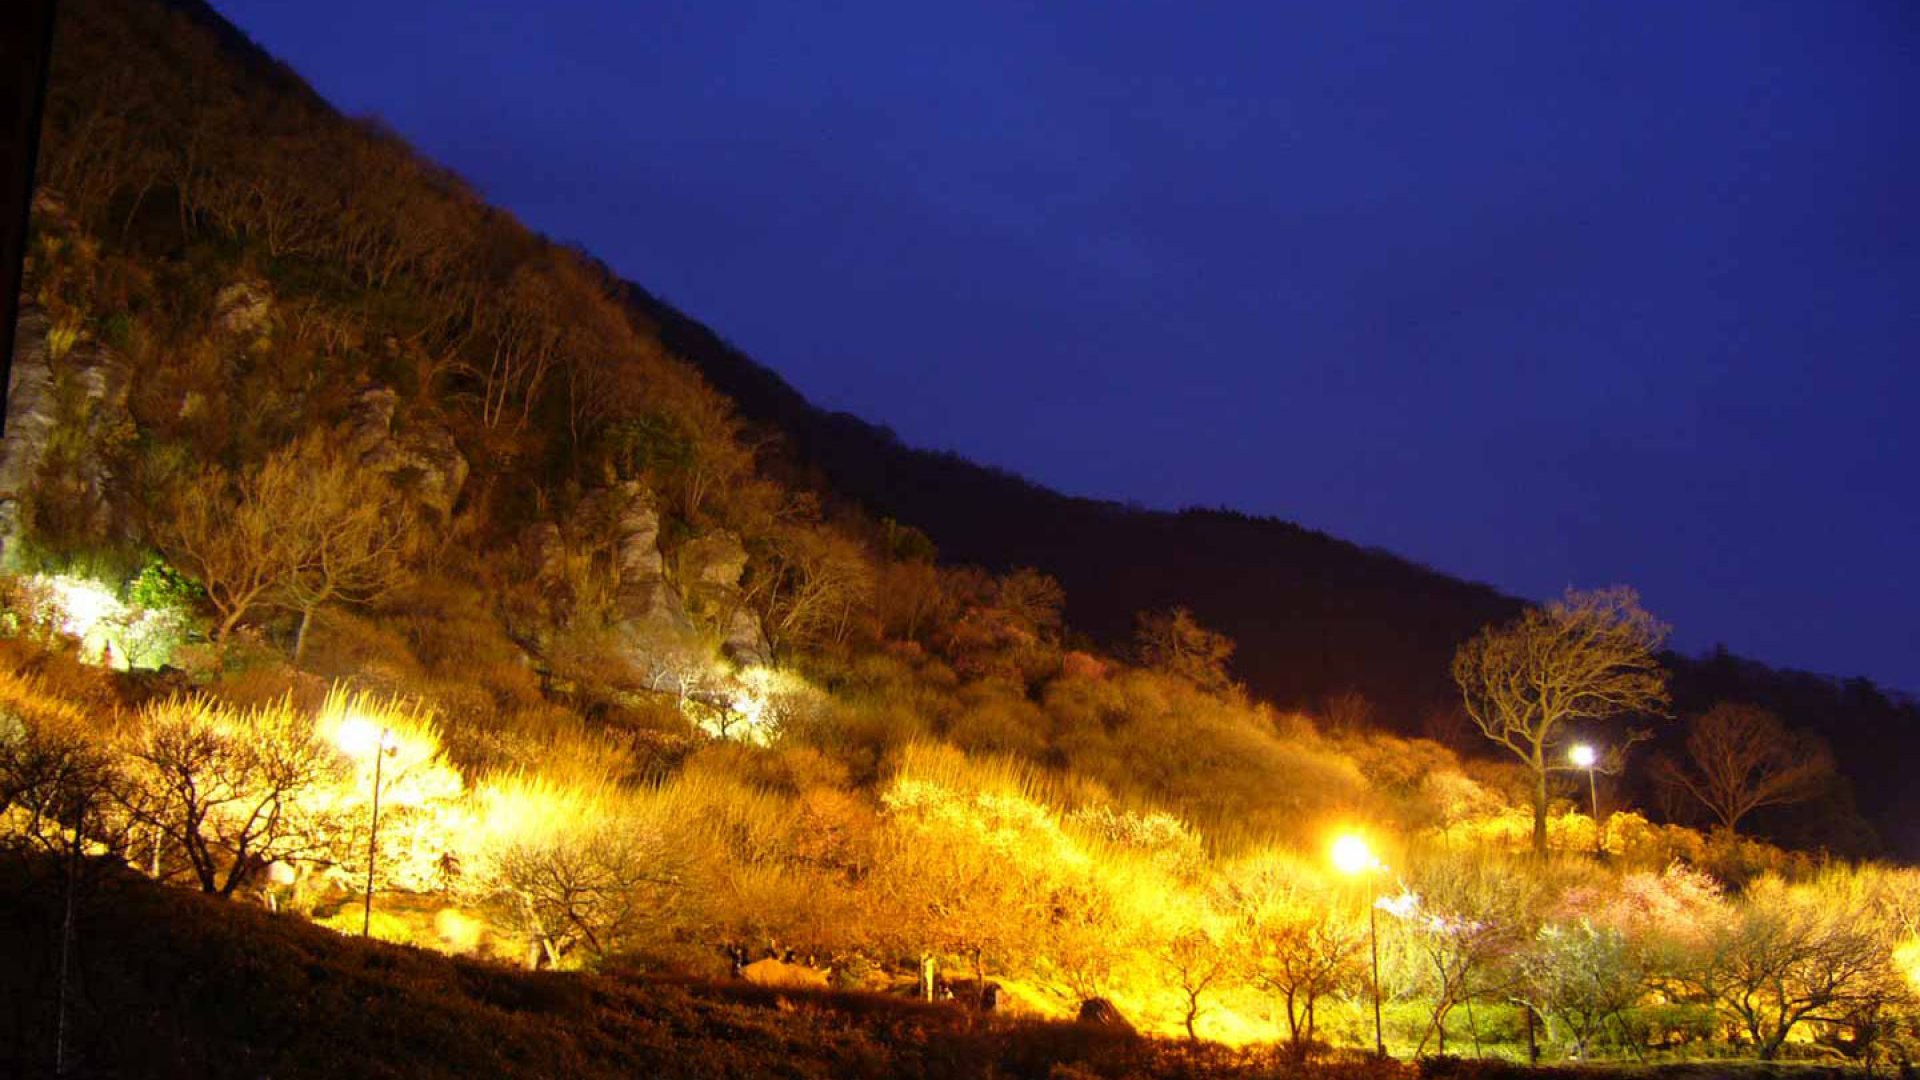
x=1536, y=293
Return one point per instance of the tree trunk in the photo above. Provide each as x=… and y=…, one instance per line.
x=1540, y=811
x=300, y=638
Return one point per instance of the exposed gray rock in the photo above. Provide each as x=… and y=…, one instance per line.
x=714, y=560
x=711, y=566
x=424, y=462
x=85, y=388
x=744, y=642
x=649, y=606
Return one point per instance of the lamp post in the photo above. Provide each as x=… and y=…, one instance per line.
x=357, y=737
x=1583, y=757
x=1351, y=855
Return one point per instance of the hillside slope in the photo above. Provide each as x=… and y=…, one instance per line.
x=238, y=265
x=1316, y=617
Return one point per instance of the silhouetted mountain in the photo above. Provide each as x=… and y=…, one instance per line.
x=1315, y=617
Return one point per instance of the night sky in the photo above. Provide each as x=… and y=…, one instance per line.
x=1535, y=293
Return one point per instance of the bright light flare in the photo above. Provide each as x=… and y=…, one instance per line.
x=1582, y=756
x=361, y=737
x=1352, y=856
x=85, y=604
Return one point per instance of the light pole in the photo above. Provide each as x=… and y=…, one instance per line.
x=1583, y=757
x=358, y=736
x=1351, y=855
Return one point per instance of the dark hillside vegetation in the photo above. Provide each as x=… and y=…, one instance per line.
x=1318, y=619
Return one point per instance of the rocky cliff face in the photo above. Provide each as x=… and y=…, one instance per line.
x=711, y=568
x=66, y=416
x=653, y=604
x=425, y=463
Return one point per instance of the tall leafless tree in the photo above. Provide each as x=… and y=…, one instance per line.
x=1588, y=656
x=1741, y=758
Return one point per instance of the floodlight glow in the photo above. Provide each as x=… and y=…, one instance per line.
x=360, y=737
x=84, y=604
x=1351, y=855
x=1582, y=755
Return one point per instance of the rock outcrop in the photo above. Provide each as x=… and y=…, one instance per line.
x=425, y=463
x=649, y=607
x=711, y=566
x=77, y=386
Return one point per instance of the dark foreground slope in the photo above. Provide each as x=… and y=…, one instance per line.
x=168, y=983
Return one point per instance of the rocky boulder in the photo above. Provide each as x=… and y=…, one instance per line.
x=1100, y=1011
x=711, y=566
x=649, y=606
x=424, y=462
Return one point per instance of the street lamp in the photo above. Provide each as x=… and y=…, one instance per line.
x=1583, y=757
x=1352, y=857
x=359, y=737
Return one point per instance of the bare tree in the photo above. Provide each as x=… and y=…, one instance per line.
x=1175, y=643
x=1741, y=758
x=807, y=587
x=1583, y=975
x=353, y=533
x=225, y=785
x=597, y=888
x=1302, y=952
x=1197, y=962
x=304, y=529
x=1795, y=954
x=225, y=529
x=1588, y=656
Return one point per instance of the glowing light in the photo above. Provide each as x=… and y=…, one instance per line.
x=1582, y=755
x=1352, y=856
x=361, y=737
x=86, y=604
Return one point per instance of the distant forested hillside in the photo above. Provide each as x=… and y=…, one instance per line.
x=1323, y=624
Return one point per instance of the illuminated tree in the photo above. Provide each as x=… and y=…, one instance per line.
x=1468, y=918
x=229, y=787
x=354, y=531
x=1302, y=944
x=972, y=875
x=808, y=584
x=54, y=772
x=1584, y=976
x=225, y=530
x=1174, y=643
x=304, y=529
x=1588, y=656
x=1197, y=960
x=1796, y=954
x=1741, y=758
x=597, y=887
